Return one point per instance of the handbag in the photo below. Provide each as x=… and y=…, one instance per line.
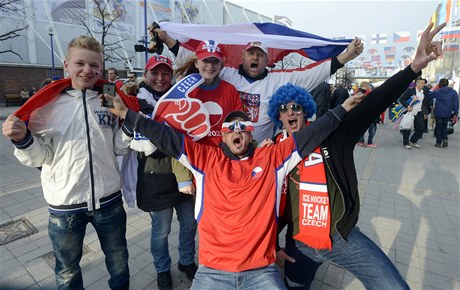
x=407, y=122
x=450, y=127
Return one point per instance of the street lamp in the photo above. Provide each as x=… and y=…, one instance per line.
x=50, y=30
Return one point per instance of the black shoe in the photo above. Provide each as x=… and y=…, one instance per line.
x=189, y=270
x=444, y=144
x=438, y=145
x=164, y=281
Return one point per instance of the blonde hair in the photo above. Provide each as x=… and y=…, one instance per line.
x=86, y=42
x=188, y=67
x=130, y=88
x=364, y=85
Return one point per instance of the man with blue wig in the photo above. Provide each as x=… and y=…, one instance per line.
x=322, y=199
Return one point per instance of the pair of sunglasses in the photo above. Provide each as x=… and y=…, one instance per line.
x=296, y=108
x=240, y=125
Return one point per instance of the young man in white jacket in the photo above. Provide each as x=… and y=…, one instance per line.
x=75, y=141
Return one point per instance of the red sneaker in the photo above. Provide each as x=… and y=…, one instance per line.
x=372, y=145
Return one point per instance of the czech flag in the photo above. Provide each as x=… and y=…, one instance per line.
x=279, y=39
x=184, y=114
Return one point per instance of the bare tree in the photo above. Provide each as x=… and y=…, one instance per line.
x=105, y=18
x=293, y=60
x=10, y=7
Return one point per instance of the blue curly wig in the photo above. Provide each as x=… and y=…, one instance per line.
x=290, y=93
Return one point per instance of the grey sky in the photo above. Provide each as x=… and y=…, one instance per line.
x=347, y=18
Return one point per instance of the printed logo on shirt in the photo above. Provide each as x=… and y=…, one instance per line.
x=105, y=117
x=257, y=172
x=251, y=105
x=313, y=159
x=215, y=112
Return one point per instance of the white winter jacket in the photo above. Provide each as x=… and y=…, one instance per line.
x=75, y=141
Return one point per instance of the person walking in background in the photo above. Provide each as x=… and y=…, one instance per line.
x=365, y=88
x=75, y=141
x=446, y=99
x=416, y=102
x=339, y=95
x=322, y=96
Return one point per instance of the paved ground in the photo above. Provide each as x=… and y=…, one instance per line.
x=410, y=207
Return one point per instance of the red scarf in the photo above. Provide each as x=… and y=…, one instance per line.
x=54, y=89
x=314, y=207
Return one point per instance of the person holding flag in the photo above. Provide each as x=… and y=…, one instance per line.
x=75, y=141
x=256, y=84
x=322, y=199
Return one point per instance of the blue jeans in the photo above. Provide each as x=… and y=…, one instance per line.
x=371, y=131
x=256, y=279
x=67, y=232
x=161, y=227
x=359, y=255
x=440, y=131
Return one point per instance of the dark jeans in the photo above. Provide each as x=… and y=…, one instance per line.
x=67, y=232
x=371, y=131
x=359, y=255
x=419, y=128
x=440, y=131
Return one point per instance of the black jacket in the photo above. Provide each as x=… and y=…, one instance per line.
x=339, y=95
x=157, y=186
x=337, y=150
x=426, y=103
x=322, y=96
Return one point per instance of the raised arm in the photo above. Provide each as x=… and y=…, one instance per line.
x=313, y=135
x=163, y=137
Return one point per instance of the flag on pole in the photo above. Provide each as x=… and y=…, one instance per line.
x=401, y=36
x=280, y=40
x=379, y=38
x=389, y=50
x=451, y=33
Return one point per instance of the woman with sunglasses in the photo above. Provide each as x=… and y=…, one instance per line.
x=322, y=202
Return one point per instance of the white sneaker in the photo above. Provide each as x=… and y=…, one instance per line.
x=407, y=147
x=415, y=145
